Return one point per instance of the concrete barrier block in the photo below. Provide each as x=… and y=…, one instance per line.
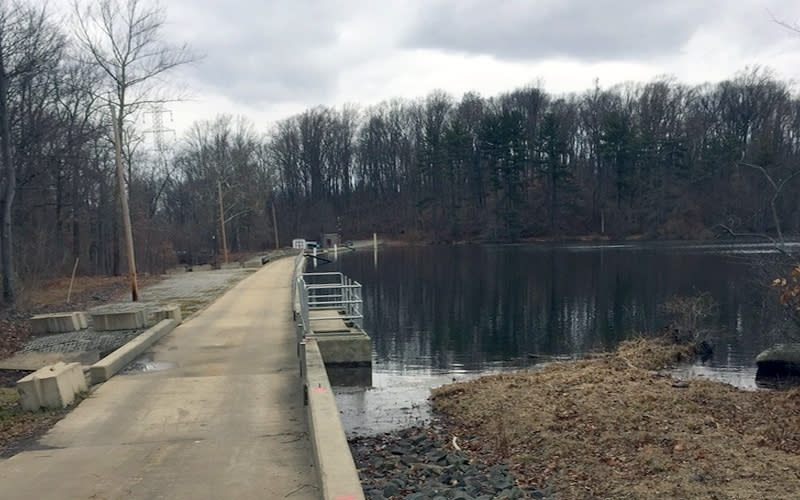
x=169, y=311
x=42, y=324
x=114, y=362
x=119, y=320
x=57, y=389
x=39, y=325
x=77, y=378
x=29, y=391
x=54, y=386
x=83, y=321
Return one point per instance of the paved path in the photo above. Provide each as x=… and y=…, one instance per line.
x=227, y=421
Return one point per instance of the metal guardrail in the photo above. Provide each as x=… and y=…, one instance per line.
x=329, y=291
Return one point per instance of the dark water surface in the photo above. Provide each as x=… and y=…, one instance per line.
x=440, y=313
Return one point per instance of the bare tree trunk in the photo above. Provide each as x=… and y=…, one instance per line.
x=76, y=229
x=7, y=258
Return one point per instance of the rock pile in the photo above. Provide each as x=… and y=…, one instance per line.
x=417, y=464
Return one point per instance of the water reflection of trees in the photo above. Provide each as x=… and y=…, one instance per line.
x=439, y=306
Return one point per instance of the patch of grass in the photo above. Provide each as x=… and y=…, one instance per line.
x=608, y=428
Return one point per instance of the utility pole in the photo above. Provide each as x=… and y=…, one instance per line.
x=123, y=198
x=222, y=223
x=275, y=226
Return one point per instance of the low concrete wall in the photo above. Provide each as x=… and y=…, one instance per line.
x=337, y=472
x=114, y=362
x=345, y=348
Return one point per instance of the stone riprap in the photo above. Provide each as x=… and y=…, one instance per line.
x=417, y=464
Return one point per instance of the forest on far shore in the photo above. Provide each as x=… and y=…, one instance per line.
x=653, y=160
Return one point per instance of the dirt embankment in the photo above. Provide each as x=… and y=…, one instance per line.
x=614, y=427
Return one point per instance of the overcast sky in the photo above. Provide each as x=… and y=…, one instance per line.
x=269, y=59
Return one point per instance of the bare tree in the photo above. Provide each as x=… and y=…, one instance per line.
x=123, y=37
x=28, y=43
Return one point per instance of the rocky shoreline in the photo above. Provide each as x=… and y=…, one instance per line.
x=421, y=463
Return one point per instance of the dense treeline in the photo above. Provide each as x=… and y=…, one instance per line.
x=657, y=160
x=660, y=160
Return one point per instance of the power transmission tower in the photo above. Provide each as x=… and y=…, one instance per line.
x=159, y=131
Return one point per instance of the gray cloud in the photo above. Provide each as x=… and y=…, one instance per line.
x=266, y=54
x=589, y=31
x=261, y=52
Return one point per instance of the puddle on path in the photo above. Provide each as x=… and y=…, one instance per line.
x=146, y=364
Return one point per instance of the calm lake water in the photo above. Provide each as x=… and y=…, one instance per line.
x=443, y=313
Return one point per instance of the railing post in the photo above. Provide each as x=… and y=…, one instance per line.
x=303, y=370
x=299, y=334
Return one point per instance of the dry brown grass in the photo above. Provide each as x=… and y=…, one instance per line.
x=53, y=293
x=607, y=428
x=653, y=353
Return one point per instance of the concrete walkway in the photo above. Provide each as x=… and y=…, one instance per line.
x=226, y=421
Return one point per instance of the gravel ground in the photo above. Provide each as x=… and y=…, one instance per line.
x=193, y=290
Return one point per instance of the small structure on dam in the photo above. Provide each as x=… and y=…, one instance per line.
x=331, y=313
